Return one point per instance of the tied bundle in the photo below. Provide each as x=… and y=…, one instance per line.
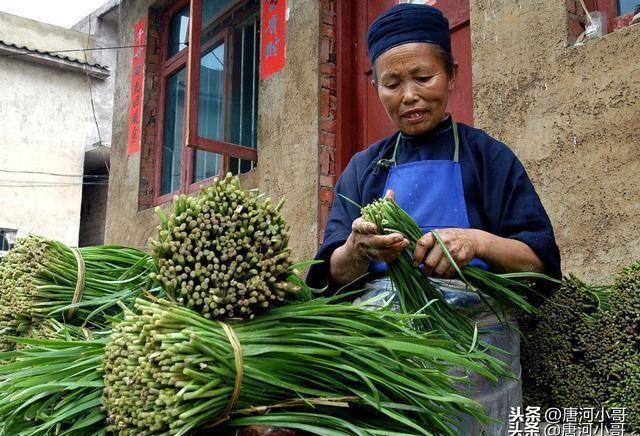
x=583, y=348
x=225, y=252
x=42, y=278
x=53, y=385
x=417, y=292
x=319, y=366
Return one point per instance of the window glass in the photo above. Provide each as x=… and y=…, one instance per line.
x=211, y=99
x=244, y=90
x=210, y=111
x=173, y=132
x=626, y=6
x=211, y=8
x=178, y=28
x=205, y=165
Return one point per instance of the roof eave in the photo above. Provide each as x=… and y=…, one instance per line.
x=96, y=71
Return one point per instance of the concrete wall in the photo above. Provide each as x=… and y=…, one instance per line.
x=572, y=116
x=103, y=26
x=287, y=137
x=288, y=150
x=43, y=130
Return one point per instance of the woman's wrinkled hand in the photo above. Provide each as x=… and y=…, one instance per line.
x=462, y=244
x=365, y=245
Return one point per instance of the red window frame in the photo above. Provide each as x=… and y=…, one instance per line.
x=169, y=67
x=189, y=58
x=194, y=140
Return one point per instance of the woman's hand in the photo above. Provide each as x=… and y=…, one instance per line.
x=365, y=245
x=351, y=260
x=501, y=254
x=462, y=244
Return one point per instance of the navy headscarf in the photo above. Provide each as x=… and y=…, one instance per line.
x=406, y=23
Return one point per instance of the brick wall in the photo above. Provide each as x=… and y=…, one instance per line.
x=151, y=96
x=327, y=113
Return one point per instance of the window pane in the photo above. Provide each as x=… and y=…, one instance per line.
x=237, y=166
x=205, y=165
x=626, y=6
x=210, y=111
x=7, y=239
x=173, y=132
x=211, y=8
x=211, y=99
x=178, y=28
x=244, y=90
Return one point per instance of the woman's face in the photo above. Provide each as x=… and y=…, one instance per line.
x=413, y=86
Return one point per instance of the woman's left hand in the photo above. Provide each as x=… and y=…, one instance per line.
x=461, y=243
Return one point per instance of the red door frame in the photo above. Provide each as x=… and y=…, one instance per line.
x=345, y=95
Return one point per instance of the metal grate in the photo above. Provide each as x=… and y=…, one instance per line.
x=244, y=113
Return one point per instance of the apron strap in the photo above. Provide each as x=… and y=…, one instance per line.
x=386, y=163
x=456, y=142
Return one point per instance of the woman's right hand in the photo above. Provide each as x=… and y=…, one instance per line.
x=365, y=245
x=351, y=260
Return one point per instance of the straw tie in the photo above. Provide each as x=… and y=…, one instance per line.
x=237, y=351
x=77, y=295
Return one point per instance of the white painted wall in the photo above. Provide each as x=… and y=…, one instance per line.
x=43, y=112
x=102, y=24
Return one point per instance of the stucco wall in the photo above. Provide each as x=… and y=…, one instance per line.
x=572, y=115
x=287, y=135
x=43, y=130
x=125, y=224
x=104, y=31
x=288, y=150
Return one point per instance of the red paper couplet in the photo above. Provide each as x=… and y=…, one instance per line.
x=273, y=27
x=137, y=85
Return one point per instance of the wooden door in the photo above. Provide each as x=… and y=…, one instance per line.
x=362, y=119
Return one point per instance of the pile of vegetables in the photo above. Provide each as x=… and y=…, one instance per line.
x=224, y=348
x=168, y=370
x=42, y=278
x=583, y=350
x=53, y=385
x=225, y=252
x=320, y=366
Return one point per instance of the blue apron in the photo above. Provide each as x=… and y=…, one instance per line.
x=431, y=191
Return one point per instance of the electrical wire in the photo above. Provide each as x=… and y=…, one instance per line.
x=67, y=185
x=115, y=47
x=93, y=108
x=52, y=174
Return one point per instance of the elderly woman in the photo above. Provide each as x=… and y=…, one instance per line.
x=447, y=176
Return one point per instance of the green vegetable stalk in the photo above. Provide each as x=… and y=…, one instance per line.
x=225, y=252
x=54, y=385
x=583, y=350
x=334, y=369
x=42, y=278
x=417, y=292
